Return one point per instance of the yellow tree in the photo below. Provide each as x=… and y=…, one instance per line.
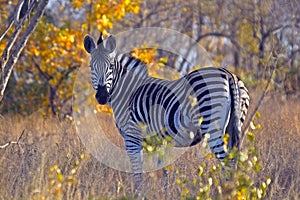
x=46, y=71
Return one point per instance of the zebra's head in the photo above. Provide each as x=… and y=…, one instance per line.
x=102, y=64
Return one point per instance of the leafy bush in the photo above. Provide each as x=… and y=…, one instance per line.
x=229, y=180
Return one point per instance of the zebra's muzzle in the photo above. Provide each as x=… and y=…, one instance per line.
x=102, y=95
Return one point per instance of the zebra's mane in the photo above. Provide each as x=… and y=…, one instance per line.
x=131, y=64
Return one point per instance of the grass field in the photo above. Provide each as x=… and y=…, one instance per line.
x=50, y=162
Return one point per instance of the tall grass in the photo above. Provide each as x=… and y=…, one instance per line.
x=50, y=162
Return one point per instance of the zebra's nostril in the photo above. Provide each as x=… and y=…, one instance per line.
x=101, y=87
x=102, y=95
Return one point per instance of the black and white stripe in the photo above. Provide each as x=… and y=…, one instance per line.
x=209, y=101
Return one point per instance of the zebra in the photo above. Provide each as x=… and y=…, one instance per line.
x=207, y=102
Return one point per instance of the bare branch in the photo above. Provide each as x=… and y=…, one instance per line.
x=13, y=142
x=217, y=34
x=43, y=74
x=66, y=74
x=7, y=29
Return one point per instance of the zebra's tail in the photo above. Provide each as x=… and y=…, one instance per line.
x=244, y=101
x=239, y=106
x=234, y=125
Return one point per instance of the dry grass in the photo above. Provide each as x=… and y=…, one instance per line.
x=279, y=146
x=25, y=169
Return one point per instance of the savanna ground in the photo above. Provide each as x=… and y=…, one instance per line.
x=50, y=162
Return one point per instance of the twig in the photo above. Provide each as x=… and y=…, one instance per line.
x=13, y=142
x=7, y=29
x=246, y=127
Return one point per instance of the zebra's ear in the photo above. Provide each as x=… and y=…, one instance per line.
x=110, y=44
x=89, y=43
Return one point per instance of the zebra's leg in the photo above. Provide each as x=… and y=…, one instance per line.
x=165, y=180
x=232, y=141
x=218, y=148
x=164, y=176
x=134, y=151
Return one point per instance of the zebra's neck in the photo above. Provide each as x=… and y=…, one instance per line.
x=128, y=74
x=126, y=64
x=130, y=64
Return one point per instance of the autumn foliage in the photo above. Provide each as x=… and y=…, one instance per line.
x=45, y=73
x=258, y=40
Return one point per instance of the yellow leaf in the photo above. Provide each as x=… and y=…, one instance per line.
x=225, y=139
x=268, y=181
x=200, y=120
x=105, y=21
x=56, y=191
x=136, y=9
x=127, y=2
x=186, y=191
x=78, y=4
x=60, y=177
x=72, y=38
x=257, y=114
x=150, y=148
